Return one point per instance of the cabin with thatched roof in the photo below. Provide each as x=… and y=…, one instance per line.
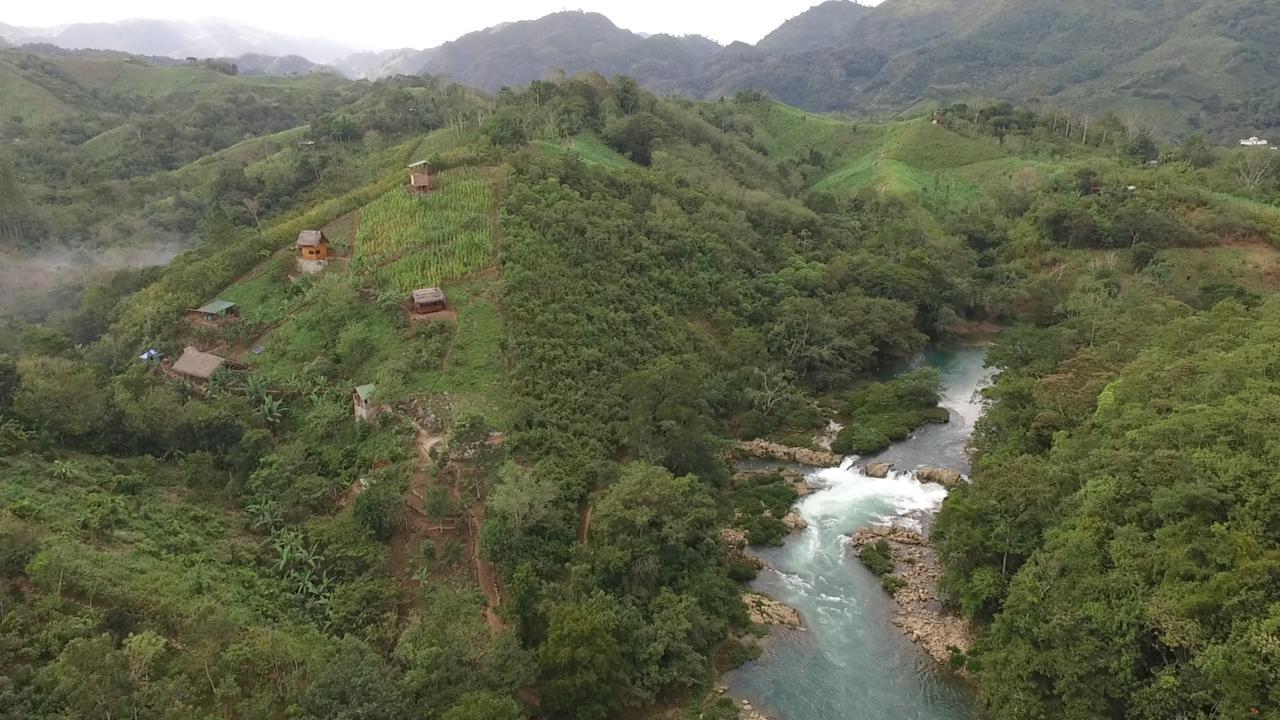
x=312, y=245
x=197, y=366
x=426, y=300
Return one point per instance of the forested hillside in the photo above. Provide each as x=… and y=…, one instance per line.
x=111, y=161
x=1175, y=67
x=533, y=525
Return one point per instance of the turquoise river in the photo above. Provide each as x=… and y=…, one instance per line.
x=849, y=662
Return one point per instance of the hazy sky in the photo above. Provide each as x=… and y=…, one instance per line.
x=399, y=23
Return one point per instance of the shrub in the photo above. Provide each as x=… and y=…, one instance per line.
x=378, y=511
x=892, y=584
x=878, y=558
x=19, y=542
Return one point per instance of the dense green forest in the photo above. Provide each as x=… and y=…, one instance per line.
x=533, y=526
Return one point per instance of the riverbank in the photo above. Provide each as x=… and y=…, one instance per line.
x=919, y=611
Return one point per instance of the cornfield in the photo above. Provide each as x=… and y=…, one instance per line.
x=407, y=242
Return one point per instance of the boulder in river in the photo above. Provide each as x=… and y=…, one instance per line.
x=878, y=470
x=944, y=476
x=794, y=522
x=869, y=535
x=804, y=456
x=764, y=610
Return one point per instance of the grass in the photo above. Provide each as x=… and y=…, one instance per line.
x=913, y=157
x=589, y=148
x=789, y=132
x=28, y=100
x=264, y=296
x=344, y=338
x=473, y=371
x=1255, y=267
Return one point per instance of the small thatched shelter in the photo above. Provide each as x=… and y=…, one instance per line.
x=196, y=365
x=427, y=300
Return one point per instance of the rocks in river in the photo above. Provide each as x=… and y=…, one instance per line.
x=804, y=456
x=764, y=610
x=919, y=611
x=944, y=476
x=878, y=470
x=794, y=522
x=900, y=535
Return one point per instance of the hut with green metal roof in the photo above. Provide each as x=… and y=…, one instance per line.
x=364, y=403
x=214, y=312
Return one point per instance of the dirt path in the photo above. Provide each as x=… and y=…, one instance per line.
x=417, y=528
x=485, y=576
x=584, y=523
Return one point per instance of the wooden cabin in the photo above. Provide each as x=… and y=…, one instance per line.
x=420, y=176
x=313, y=245
x=427, y=300
x=365, y=408
x=215, y=312
x=197, y=366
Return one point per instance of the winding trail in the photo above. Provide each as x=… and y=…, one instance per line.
x=420, y=527
x=417, y=527
x=584, y=523
x=485, y=576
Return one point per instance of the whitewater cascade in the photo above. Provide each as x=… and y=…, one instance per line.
x=849, y=662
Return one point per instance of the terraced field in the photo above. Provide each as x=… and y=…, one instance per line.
x=407, y=241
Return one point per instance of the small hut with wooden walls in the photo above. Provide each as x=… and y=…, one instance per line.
x=428, y=300
x=313, y=245
x=420, y=177
x=362, y=400
x=313, y=251
x=215, y=312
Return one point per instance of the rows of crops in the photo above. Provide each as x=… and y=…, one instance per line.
x=407, y=241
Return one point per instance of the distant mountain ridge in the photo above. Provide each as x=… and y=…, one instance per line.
x=1179, y=66
x=517, y=53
